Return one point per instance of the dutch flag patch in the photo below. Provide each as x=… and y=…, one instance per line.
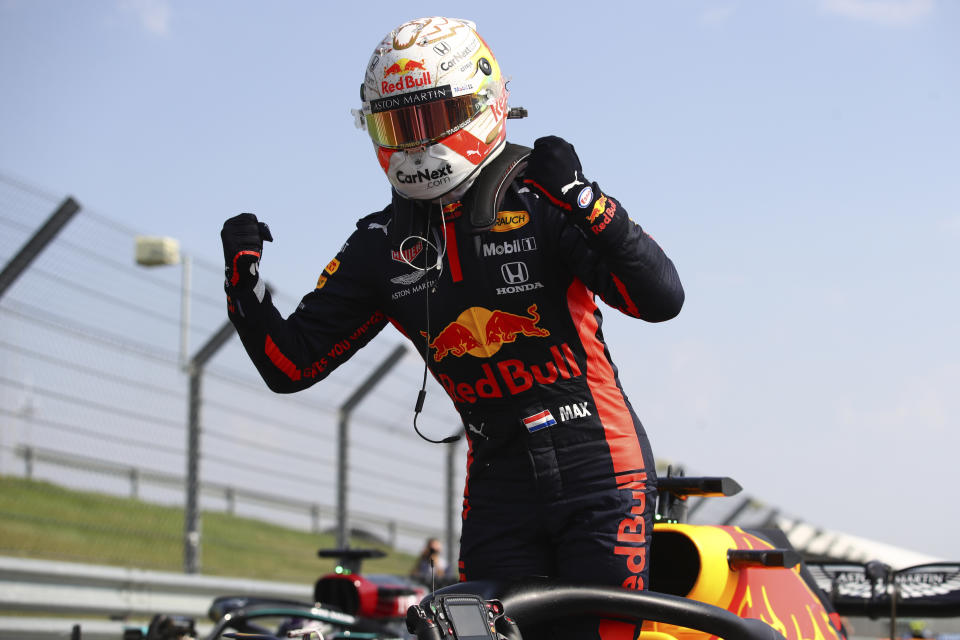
x=539, y=421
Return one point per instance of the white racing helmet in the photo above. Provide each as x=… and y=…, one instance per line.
x=434, y=104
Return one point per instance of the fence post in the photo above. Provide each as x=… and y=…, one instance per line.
x=191, y=516
x=134, y=483
x=449, y=510
x=28, y=462
x=37, y=243
x=343, y=529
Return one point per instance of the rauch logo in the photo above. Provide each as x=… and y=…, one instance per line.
x=510, y=220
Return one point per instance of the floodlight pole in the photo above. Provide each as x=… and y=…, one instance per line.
x=184, y=310
x=343, y=530
x=154, y=251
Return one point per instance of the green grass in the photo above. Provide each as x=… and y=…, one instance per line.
x=46, y=521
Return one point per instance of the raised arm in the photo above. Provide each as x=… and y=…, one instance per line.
x=329, y=325
x=603, y=247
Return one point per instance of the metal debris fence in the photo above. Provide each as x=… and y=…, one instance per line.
x=94, y=396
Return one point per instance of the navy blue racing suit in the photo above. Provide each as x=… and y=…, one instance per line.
x=560, y=472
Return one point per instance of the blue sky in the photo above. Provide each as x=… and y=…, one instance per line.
x=798, y=160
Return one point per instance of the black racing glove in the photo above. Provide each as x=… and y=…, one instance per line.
x=242, y=238
x=554, y=168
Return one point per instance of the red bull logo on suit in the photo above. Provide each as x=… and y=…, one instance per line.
x=480, y=332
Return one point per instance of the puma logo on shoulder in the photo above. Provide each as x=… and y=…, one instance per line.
x=382, y=227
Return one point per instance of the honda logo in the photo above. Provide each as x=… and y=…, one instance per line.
x=514, y=272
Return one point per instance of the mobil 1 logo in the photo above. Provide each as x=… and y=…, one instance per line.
x=509, y=247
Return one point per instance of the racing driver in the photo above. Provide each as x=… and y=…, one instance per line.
x=489, y=259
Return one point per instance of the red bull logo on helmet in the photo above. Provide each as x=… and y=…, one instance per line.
x=402, y=68
x=481, y=332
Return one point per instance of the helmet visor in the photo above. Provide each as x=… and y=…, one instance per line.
x=422, y=124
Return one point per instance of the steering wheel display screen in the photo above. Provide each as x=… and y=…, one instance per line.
x=469, y=620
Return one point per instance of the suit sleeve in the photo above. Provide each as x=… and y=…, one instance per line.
x=330, y=324
x=620, y=262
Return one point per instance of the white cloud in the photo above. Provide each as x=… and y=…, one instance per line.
x=922, y=407
x=718, y=15
x=886, y=12
x=952, y=225
x=154, y=15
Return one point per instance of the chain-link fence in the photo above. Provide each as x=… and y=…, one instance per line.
x=93, y=396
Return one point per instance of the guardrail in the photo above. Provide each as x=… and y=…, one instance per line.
x=113, y=593
x=62, y=587
x=65, y=588
x=231, y=496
